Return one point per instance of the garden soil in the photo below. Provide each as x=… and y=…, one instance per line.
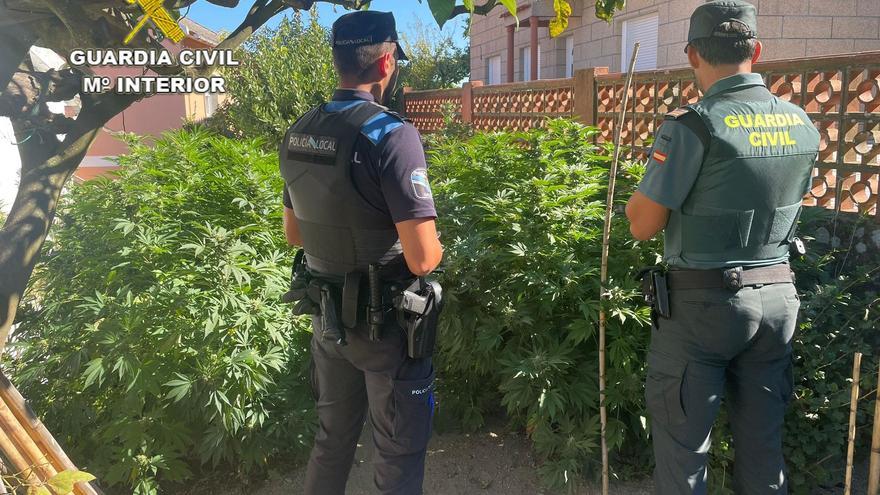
x=485, y=463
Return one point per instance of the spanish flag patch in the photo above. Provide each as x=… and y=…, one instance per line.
x=659, y=157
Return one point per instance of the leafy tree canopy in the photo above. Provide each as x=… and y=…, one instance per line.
x=435, y=62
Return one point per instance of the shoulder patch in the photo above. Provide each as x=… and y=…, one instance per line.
x=421, y=186
x=377, y=127
x=678, y=113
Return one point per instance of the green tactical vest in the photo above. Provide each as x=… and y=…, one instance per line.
x=744, y=206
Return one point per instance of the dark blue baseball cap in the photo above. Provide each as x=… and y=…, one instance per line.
x=366, y=27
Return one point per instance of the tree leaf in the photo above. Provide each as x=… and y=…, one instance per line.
x=63, y=482
x=560, y=22
x=511, y=7
x=441, y=10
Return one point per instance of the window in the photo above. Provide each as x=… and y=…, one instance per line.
x=569, y=56
x=525, y=62
x=644, y=31
x=493, y=70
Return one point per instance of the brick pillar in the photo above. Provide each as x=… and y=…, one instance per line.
x=406, y=91
x=585, y=94
x=510, y=54
x=467, y=100
x=533, y=28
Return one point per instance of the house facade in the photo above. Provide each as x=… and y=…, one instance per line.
x=150, y=116
x=501, y=52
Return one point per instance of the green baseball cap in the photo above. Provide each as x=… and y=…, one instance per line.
x=708, y=17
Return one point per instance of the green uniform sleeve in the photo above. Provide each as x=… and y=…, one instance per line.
x=673, y=165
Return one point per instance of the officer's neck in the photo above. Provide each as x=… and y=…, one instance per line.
x=374, y=88
x=708, y=75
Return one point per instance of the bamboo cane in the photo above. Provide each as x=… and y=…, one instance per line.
x=853, y=408
x=40, y=435
x=603, y=278
x=16, y=459
x=26, y=445
x=874, y=470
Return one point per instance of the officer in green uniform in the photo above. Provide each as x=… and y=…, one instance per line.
x=724, y=181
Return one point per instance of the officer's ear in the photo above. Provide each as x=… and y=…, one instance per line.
x=693, y=57
x=758, y=49
x=385, y=64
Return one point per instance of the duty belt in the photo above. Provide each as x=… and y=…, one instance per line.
x=731, y=278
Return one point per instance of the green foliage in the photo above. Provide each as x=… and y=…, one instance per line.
x=283, y=73
x=522, y=216
x=605, y=8
x=560, y=21
x=61, y=483
x=154, y=342
x=443, y=10
x=435, y=61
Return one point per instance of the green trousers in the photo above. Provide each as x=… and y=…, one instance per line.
x=721, y=344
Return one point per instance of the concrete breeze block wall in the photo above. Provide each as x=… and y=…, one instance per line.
x=787, y=28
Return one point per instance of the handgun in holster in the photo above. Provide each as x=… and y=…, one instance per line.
x=655, y=290
x=418, y=310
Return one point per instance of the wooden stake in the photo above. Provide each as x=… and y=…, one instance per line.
x=603, y=278
x=853, y=408
x=874, y=470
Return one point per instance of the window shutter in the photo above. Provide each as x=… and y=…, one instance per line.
x=644, y=31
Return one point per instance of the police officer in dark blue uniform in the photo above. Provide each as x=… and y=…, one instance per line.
x=357, y=198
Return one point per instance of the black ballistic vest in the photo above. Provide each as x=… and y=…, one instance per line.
x=341, y=232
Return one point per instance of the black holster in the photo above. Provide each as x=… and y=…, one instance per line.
x=312, y=296
x=655, y=291
x=331, y=327
x=418, y=310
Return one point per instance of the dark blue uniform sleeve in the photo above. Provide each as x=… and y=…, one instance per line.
x=285, y=194
x=403, y=175
x=673, y=166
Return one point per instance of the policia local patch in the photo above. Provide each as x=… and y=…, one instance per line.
x=309, y=147
x=421, y=186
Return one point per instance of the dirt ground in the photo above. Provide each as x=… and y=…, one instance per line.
x=486, y=463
